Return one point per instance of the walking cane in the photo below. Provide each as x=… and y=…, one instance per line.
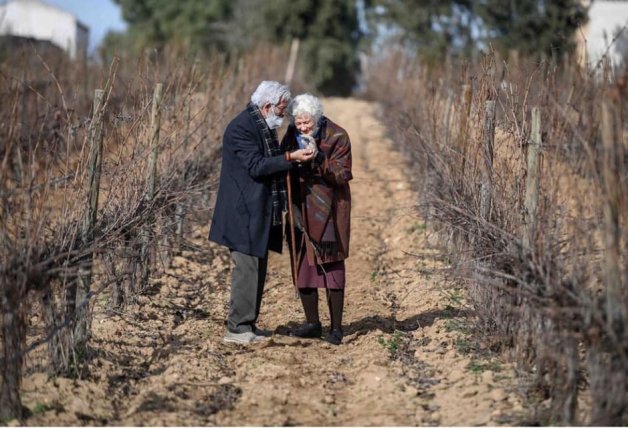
x=295, y=267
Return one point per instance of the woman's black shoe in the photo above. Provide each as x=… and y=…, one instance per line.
x=308, y=330
x=334, y=337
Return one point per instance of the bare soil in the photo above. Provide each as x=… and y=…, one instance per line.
x=408, y=357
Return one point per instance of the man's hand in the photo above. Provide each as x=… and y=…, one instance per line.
x=302, y=155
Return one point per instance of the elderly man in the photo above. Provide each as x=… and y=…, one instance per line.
x=251, y=198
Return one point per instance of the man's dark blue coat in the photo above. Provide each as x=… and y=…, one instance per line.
x=243, y=213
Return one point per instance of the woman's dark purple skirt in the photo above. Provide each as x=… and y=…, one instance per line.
x=331, y=275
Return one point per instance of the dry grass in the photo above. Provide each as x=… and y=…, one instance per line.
x=545, y=303
x=46, y=253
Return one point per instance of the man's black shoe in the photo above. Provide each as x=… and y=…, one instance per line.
x=334, y=337
x=308, y=330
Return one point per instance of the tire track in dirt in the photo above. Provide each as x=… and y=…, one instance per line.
x=405, y=359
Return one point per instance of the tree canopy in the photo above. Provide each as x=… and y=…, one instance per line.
x=194, y=24
x=432, y=28
x=533, y=27
x=439, y=28
x=332, y=34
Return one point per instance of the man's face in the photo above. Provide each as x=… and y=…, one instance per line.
x=279, y=109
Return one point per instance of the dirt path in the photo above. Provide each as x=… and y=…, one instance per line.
x=406, y=358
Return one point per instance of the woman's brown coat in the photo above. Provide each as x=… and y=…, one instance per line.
x=322, y=189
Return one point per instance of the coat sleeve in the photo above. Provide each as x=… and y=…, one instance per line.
x=246, y=148
x=289, y=144
x=336, y=168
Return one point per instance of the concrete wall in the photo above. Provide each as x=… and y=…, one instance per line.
x=37, y=20
x=82, y=40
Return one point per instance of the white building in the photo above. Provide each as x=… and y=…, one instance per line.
x=606, y=19
x=37, y=20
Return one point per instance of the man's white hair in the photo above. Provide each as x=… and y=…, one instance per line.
x=270, y=92
x=305, y=104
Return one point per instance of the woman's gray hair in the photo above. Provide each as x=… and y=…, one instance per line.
x=270, y=92
x=306, y=104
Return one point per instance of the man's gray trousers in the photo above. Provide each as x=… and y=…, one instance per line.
x=247, y=286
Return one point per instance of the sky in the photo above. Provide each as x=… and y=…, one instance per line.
x=99, y=15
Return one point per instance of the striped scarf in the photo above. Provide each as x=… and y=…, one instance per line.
x=277, y=181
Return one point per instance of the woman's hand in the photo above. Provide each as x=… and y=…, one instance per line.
x=310, y=143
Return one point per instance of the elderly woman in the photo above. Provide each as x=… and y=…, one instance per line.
x=321, y=211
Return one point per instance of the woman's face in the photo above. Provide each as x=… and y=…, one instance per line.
x=305, y=124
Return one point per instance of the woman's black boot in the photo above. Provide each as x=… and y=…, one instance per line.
x=312, y=327
x=310, y=330
x=334, y=336
x=335, y=300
